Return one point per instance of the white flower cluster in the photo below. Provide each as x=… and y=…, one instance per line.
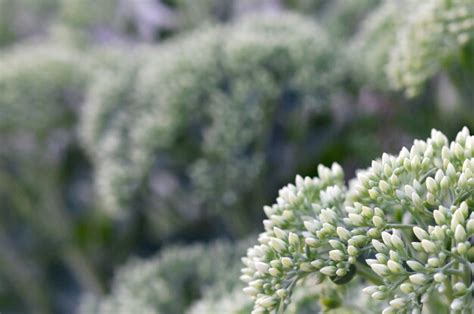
x=304, y=233
x=200, y=113
x=171, y=281
x=371, y=45
x=409, y=216
x=434, y=31
x=41, y=87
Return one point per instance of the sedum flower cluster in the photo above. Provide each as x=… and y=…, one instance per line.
x=372, y=43
x=434, y=33
x=52, y=82
x=204, y=114
x=173, y=280
x=408, y=217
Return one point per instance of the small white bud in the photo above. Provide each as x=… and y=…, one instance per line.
x=460, y=288
x=439, y=217
x=460, y=234
x=378, y=221
x=278, y=245
x=293, y=239
x=328, y=270
x=398, y=303
x=266, y=302
x=394, y=267
x=262, y=267
x=396, y=242
x=280, y=234
x=428, y=246
x=387, y=239
x=384, y=186
x=457, y=304
x=311, y=226
x=336, y=255
x=250, y=291
x=286, y=262
x=379, y=246
x=420, y=233
x=415, y=265
x=439, y=277
x=306, y=267
x=379, y=295
x=343, y=233
x=431, y=185
x=417, y=279
x=406, y=287
x=274, y=272
x=281, y=293
x=380, y=269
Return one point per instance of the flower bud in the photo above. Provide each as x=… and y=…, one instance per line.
x=278, y=245
x=406, y=287
x=343, y=233
x=428, y=246
x=398, y=303
x=329, y=271
x=460, y=288
x=378, y=221
x=395, y=267
x=293, y=239
x=274, y=272
x=439, y=217
x=250, y=291
x=417, y=279
x=262, y=267
x=281, y=293
x=431, y=185
x=439, y=277
x=415, y=265
x=306, y=267
x=380, y=269
x=420, y=233
x=378, y=295
x=460, y=234
x=336, y=255
x=286, y=262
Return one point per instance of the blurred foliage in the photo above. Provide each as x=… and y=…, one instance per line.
x=189, y=130
x=171, y=281
x=184, y=138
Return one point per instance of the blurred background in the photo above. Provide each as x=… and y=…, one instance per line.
x=140, y=139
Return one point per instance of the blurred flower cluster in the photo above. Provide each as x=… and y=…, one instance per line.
x=155, y=130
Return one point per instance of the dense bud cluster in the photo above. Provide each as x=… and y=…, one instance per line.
x=42, y=92
x=172, y=280
x=434, y=31
x=164, y=129
x=372, y=43
x=304, y=233
x=409, y=216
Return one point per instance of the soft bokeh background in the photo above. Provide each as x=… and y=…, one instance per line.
x=139, y=139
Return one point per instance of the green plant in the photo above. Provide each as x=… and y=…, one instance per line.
x=172, y=280
x=41, y=88
x=205, y=116
x=437, y=35
x=404, y=224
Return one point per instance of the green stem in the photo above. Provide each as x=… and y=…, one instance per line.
x=400, y=226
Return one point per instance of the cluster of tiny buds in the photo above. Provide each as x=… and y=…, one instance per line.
x=435, y=29
x=416, y=269
x=431, y=186
x=300, y=238
x=410, y=216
